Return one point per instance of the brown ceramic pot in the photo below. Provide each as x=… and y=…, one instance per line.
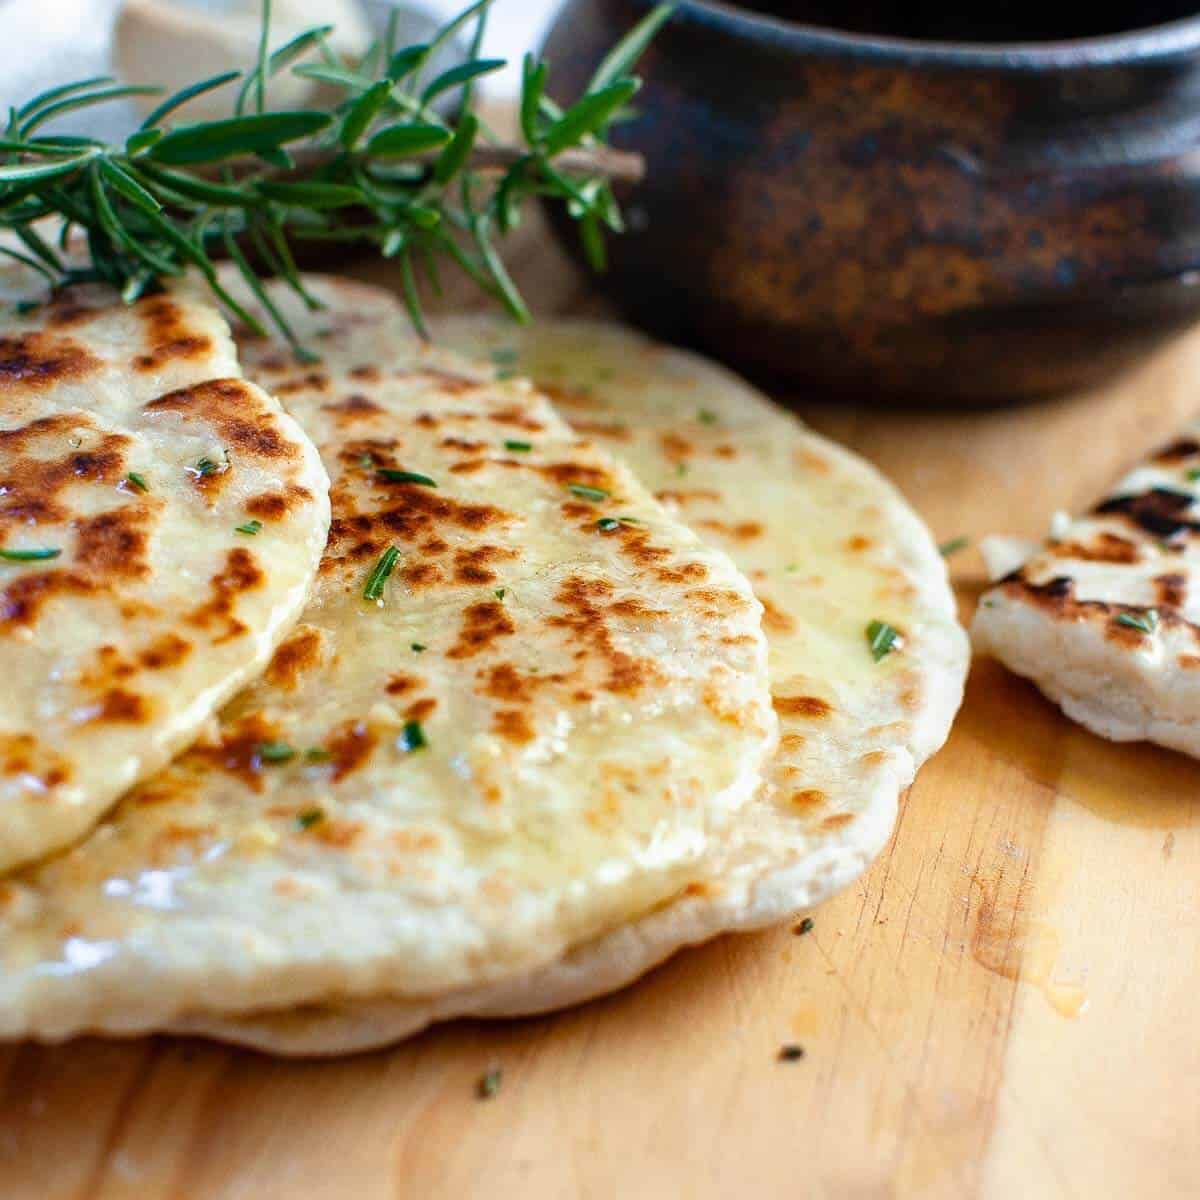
x=904, y=219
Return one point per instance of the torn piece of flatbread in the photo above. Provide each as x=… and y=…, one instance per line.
x=829, y=546
x=161, y=520
x=1103, y=617
x=530, y=731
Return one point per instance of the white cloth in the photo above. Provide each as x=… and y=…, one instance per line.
x=47, y=42
x=514, y=27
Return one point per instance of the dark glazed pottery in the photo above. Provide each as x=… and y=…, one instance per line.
x=904, y=219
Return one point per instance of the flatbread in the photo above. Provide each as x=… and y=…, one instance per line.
x=130, y=453
x=830, y=546
x=535, y=732
x=1104, y=617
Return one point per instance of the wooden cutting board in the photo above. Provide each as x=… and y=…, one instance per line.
x=1005, y=1006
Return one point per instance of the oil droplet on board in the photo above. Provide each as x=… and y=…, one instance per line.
x=1024, y=950
x=1039, y=957
x=806, y=1020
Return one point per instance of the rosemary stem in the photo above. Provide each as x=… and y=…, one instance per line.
x=620, y=166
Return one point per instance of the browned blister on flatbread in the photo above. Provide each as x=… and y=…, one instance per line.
x=1104, y=617
x=130, y=604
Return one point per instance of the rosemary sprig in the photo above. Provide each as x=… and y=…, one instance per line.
x=384, y=165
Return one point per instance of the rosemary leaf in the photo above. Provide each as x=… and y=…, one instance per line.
x=260, y=75
x=1143, y=622
x=341, y=77
x=137, y=143
x=23, y=172
x=181, y=97
x=623, y=57
x=363, y=111
x=312, y=195
x=412, y=737
x=45, y=99
x=404, y=62
x=380, y=574
x=412, y=299
x=587, y=492
x=287, y=54
x=127, y=186
x=456, y=151
x=394, y=476
x=488, y=1084
x=214, y=141
x=398, y=141
x=533, y=87
x=275, y=752
x=40, y=268
x=882, y=639
x=463, y=73
x=589, y=115
x=85, y=100
x=37, y=247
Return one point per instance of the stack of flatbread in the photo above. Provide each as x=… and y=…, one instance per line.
x=354, y=695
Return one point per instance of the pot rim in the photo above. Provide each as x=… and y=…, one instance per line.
x=1148, y=45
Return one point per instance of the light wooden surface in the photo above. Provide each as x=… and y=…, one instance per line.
x=1005, y=1006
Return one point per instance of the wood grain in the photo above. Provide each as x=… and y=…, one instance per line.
x=1003, y=1007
